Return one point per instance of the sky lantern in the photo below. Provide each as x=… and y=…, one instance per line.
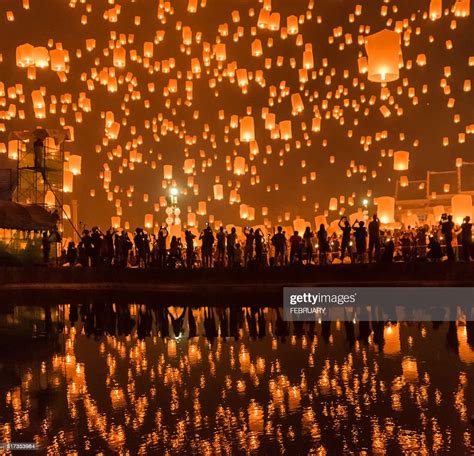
x=462, y=8
x=400, y=160
x=386, y=209
x=383, y=51
x=436, y=9
x=247, y=129
x=239, y=165
x=58, y=59
x=297, y=103
x=75, y=162
x=285, y=130
x=308, y=59
x=25, y=55
x=333, y=204
x=244, y=211
x=168, y=172
x=119, y=57
x=461, y=206
x=148, y=221
x=41, y=57
x=218, y=192
x=115, y=222
x=68, y=181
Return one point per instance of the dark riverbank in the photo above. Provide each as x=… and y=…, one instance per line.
x=217, y=284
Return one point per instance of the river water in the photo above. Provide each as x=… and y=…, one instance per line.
x=100, y=376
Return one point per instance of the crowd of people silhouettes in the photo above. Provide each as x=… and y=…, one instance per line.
x=352, y=243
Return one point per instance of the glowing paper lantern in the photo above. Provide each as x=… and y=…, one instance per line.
x=462, y=8
x=386, y=209
x=383, y=50
x=68, y=181
x=58, y=59
x=120, y=57
x=333, y=204
x=75, y=162
x=25, y=55
x=239, y=165
x=148, y=221
x=436, y=9
x=244, y=211
x=218, y=192
x=400, y=160
x=247, y=129
x=461, y=206
x=168, y=172
x=285, y=130
x=115, y=222
x=41, y=57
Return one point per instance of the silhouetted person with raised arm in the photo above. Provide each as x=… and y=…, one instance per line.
x=345, y=227
x=279, y=242
x=221, y=238
x=323, y=244
x=447, y=225
x=360, y=233
x=231, y=241
x=308, y=236
x=466, y=239
x=374, y=238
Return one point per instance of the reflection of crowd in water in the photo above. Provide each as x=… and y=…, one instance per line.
x=111, y=319
x=356, y=243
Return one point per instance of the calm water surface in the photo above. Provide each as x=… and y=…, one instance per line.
x=103, y=377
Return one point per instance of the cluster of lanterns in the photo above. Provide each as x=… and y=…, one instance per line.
x=243, y=114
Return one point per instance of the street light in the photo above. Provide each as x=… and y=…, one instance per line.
x=172, y=211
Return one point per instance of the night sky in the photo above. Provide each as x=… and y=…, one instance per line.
x=344, y=99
